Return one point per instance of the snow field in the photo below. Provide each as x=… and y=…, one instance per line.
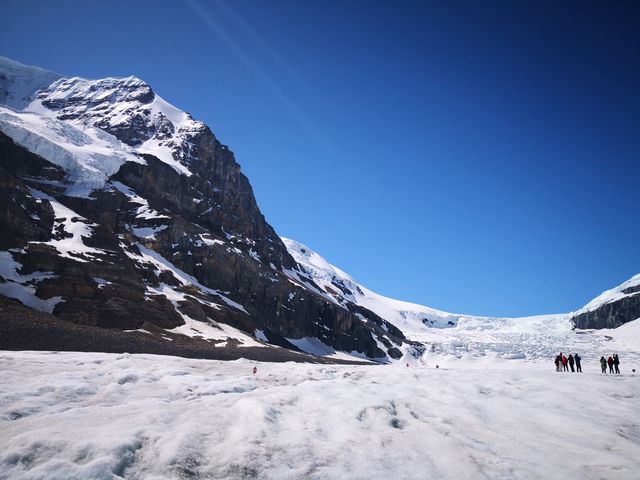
x=108, y=416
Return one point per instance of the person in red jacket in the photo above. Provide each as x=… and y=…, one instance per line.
x=610, y=363
x=565, y=367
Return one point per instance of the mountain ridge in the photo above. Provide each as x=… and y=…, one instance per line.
x=119, y=210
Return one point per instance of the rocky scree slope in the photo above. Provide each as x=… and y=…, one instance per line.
x=119, y=211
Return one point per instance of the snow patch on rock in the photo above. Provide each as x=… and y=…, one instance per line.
x=23, y=287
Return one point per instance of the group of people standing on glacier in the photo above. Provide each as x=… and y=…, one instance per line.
x=563, y=363
x=612, y=361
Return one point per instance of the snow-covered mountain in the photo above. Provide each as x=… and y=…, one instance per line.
x=122, y=212
x=125, y=221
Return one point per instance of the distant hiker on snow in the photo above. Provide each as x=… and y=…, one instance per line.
x=603, y=364
x=571, y=362
x=558, y=360
x=578, y=359
x=565, y=368
x=616, y=362
x=610, y=362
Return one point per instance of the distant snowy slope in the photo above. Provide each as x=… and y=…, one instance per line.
x=19, y=82
x=341, y=287
x=411, y=318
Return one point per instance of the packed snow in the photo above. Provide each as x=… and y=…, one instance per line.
x=98, y=416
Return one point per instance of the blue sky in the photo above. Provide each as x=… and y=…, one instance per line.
x=477, y=157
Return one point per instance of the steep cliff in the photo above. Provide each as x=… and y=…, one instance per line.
x=119, y=210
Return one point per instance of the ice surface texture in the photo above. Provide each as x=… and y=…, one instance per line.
x=106, y=416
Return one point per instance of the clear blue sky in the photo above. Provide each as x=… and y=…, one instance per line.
x=478, y=157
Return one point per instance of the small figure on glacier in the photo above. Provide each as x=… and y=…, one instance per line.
x=255, y=370
x=610, y=363
x=558, y=361
x=565, y=367
x=571, y=362
x=578, y=359
x=616, y=362
x=603, y=364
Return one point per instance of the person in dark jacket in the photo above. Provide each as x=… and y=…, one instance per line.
x=616, y=362
x=571, y=362
x=557, y=362
x=610, y=362
x=565, y=367
x=603, y=364
x=578, y=358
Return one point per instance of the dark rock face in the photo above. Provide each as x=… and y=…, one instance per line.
x=614, y=314
x=22, y=218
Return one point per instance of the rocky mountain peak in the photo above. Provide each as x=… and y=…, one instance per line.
x=127, y=108
x=142, y=219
